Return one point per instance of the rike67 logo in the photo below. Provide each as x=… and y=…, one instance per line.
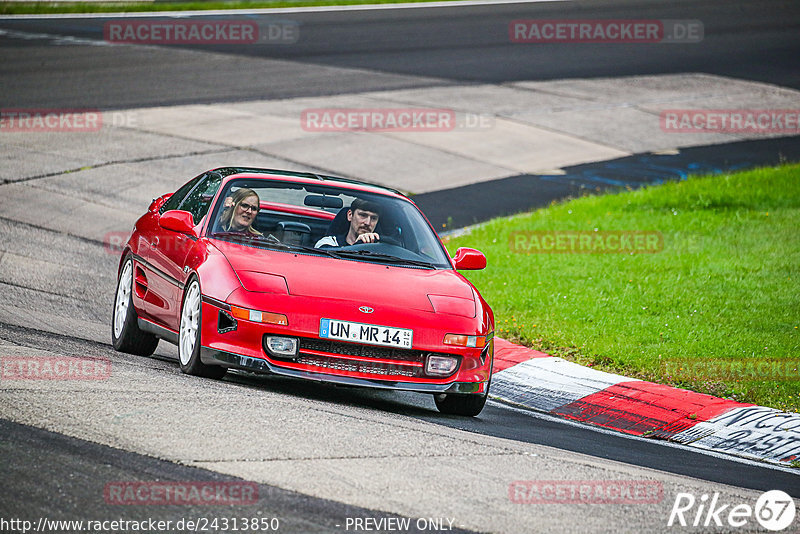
x=774, y=511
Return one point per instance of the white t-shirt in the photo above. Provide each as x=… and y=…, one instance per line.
x=328, y=240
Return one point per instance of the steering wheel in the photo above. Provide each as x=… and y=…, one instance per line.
x=390, y=241
x=384, y=240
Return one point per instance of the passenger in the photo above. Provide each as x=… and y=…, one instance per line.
x=241, y=209
x=363, y=216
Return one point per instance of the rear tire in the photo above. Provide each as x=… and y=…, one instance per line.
x=189, y=335
x=125, y=333
x=453, y=404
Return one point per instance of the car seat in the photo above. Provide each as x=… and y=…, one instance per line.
x=339, y=224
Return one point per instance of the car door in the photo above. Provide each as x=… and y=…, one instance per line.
x=169, y=250
x=149, y=292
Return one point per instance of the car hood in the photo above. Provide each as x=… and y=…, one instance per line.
x=365, y=283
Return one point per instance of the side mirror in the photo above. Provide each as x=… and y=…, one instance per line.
x=469, y=259
x=177, y=221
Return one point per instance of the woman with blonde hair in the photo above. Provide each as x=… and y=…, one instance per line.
x=241, y=209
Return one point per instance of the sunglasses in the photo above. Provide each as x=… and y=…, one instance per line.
x=250, y=207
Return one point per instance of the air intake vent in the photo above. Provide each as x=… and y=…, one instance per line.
x=226, y=322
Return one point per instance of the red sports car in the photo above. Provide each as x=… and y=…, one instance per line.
x=305, y=276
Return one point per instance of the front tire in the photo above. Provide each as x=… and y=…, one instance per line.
x=453, y=404
x=189, y=335
x=125, y=333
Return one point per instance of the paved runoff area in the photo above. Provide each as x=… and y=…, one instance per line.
x=415, y=140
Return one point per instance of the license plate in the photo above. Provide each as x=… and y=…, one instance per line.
x=370, y=334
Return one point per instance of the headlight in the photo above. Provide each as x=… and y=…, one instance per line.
x=464, y=340
x=259, y=316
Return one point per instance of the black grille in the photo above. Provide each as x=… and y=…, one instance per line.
x=361, y=351
x=410, y=363
x=355, y=366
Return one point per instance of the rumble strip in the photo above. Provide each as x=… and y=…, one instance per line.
x=544, y=383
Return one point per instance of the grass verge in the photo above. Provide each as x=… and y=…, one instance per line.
x=36, y=8
x=716, y=310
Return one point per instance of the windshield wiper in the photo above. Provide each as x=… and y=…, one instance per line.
x=388, y=258
x=271, y=241
x=313, y=250
x=244, y=235
x=255, y=239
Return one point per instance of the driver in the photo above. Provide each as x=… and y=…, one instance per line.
x=363, y=216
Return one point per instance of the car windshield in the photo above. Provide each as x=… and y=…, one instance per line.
x=316, y=219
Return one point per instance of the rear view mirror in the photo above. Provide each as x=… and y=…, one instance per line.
x=469, y=259
x=323, y=201
x=177, y=221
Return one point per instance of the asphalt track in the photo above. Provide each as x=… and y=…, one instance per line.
x=352, y=51
x=56, y=474
x=80, y=470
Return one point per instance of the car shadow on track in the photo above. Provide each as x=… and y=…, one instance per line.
x=401, y=403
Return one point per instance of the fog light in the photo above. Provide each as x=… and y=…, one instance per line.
x=440, y=364
x=282, y=347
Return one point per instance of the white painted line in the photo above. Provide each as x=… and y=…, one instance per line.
x=280, y=10
x=57, y=39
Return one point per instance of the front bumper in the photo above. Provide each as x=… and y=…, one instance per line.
x=258, y=365
x=238, y=343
